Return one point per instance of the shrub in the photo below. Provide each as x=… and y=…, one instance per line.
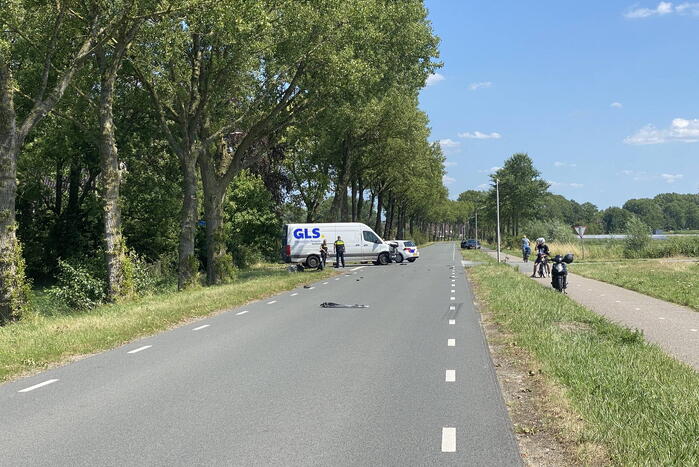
x=245, y=256
x=77, y=286
x=638, y=237
x=552, y=231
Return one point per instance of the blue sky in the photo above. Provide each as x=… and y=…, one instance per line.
x=603, y=95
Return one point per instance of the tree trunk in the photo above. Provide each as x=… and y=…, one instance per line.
x=389, y=218
x=214, y=186
x=10, y=275
x=379, y=207
x=400, y=234
x=115, y=252
x=339, y=203
x=188, y=264
x=360, y=199
x=371, y=207
x=354, y=201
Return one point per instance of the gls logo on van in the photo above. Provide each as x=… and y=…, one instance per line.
x=303, y=233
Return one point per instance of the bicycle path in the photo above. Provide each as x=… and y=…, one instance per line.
x=673, y=327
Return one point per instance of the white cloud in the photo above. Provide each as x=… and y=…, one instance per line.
x=681, y=130
x=663, y=9
x=448, y=180
x=434, y=78
x=449, y=143
x=564, y=164
x=564, y=185
x=616, y=105
x=479, y=135
x=450, y=164
x=491, y=170
x=481, y=85
x=670, y=178
x=483, y=186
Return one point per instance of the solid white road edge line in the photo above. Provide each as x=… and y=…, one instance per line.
x=140, y=349
x=272, y=302
x=198, y=328
x=448, y=439
x=242, y=312
x=450, y=376
x=325, y=283
x=37, y=386
x=452, y=321
x=357, y=268
x=294, y=294
x=451, y=342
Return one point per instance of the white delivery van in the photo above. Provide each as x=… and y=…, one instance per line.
x=301, y=243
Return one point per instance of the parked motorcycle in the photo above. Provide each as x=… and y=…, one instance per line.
x=559, y=272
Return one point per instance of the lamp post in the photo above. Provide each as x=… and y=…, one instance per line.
x=497, y=209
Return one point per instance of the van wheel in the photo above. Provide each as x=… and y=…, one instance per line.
x=411, y=260
x=312, y=262
x=399, y=258
x=384, y=259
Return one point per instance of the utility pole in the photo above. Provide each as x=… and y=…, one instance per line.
x=497, y=202
x=477, y=224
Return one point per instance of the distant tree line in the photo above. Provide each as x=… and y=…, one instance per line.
x=527, y=206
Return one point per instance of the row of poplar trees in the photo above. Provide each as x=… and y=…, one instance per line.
x=331, y=85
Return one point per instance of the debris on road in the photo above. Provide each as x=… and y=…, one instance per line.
x=339, y=305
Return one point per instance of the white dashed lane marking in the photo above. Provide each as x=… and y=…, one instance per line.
x=448, y=439
x=453, y=290
x=242, y=312
x=140, y=349
x=37, y=386
x=325, y=283
x=693, y=330
x=294, y=294
x=272, y=302
x=452, y=308
x=661, y=317
x=450, y=376
x=453, y=298
x=452, y=321
x=357, y=268
x=451, y=342
x=199, y=328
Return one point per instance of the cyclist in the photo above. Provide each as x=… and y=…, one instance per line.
x=542, y=250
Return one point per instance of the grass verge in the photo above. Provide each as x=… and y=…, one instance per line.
x=40, y=341
x=676, y=282
x=636, y=401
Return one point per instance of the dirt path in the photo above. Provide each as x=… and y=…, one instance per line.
x=673, y=327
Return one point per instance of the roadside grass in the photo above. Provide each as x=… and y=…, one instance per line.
x=41, y=340
x=676, y=282
x=634, y=399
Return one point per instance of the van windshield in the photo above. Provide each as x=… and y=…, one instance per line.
x=409, y=243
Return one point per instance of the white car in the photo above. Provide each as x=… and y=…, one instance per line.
x=406, y=250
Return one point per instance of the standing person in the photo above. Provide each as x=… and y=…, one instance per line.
x=339, y=252
x=542, y=250
x=526, y=250
x=323, y=254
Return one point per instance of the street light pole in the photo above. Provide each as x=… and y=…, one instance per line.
x=477, y=224
x=497, y=202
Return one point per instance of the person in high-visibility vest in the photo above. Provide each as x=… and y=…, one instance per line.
x=339, y=252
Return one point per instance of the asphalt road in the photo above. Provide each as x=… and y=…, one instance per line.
x=284, y=382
